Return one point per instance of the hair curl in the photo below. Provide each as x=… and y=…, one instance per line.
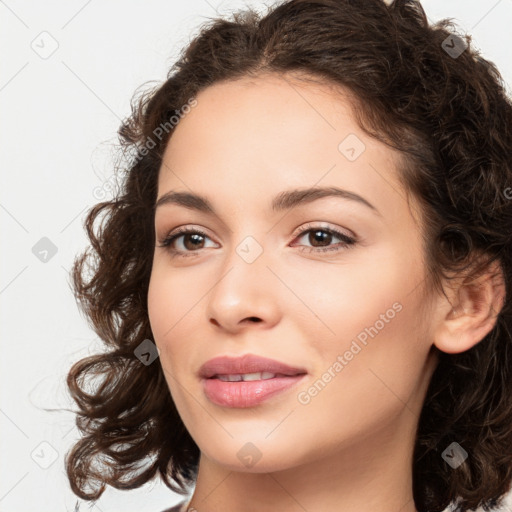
x=451, y=120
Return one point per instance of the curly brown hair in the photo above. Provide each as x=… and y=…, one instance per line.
x=449, y=116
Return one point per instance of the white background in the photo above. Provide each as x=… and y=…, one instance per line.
x=59, y=118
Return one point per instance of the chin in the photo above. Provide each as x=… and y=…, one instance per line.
x=253, y=457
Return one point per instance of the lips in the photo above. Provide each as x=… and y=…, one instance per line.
x=247, y=364
x=247, y=381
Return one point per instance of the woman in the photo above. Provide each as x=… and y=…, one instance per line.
x=304, y=282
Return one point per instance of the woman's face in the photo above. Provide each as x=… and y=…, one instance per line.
x=349, y=310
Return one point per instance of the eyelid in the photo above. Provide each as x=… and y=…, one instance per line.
x=186, y=228
x=347, y=240
x=323, y=226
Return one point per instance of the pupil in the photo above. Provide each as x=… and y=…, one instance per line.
x=196, y=237
x=320, y=236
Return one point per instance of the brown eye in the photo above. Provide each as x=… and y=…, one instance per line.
x=319, y=236
x=193, y=240
x=321, y=239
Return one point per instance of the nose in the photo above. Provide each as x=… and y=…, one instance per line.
x=245, y=294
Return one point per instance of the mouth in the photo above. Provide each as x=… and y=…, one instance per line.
x=250, y=377
x=247, y=367
x=247, y=381
x=242, y=394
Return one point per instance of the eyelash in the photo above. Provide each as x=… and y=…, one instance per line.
x=346, y=243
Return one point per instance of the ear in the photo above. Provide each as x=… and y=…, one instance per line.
x=467, y=319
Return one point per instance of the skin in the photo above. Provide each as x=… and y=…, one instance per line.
x=350, y=447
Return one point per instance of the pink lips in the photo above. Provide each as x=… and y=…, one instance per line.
x=246, y=393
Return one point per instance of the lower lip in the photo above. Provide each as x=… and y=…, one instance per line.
x=246, y=394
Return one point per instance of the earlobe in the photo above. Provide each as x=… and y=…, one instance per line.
x=464, y=323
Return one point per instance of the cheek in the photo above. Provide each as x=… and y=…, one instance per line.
x=169, y=299
x=174, y=310
x=345, y=298
x=164, y=310
x=369, y=315
x=158, y=303
x=363, y=393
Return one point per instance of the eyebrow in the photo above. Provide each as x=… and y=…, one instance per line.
x=283, y=201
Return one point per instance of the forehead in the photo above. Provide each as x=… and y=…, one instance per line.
x=272, y=106
x=270, y=133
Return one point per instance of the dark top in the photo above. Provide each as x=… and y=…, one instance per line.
x=180, y=507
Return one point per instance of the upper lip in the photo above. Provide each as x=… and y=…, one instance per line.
x=248, y=363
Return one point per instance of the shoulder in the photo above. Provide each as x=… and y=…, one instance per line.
x=180, y=507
